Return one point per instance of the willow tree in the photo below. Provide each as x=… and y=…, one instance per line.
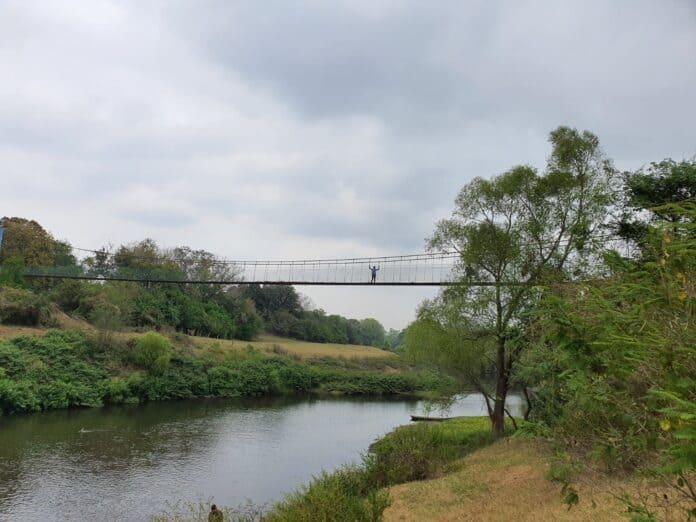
x=514, y=233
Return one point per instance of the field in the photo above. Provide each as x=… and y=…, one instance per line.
x=306, y=350
x=265, y=343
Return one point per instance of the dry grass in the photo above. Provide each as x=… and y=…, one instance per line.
x=9, y=332
x=303, y=349
x=502, y=482
x=266, y=343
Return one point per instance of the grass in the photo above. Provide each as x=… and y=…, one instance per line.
x=293, y=347
x=266, y=343
x=510, y=480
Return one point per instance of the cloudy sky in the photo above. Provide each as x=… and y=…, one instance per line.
x=303, y=129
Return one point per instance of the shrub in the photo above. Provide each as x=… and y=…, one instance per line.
x=69, y=294
x=152, y=352
x=17, y=396
x=19, y=306
x=343, y=495
x=116, y=391
x=60, y=394
x=419, y=451
x=223, y=381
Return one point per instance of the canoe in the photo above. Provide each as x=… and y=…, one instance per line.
x=429, y=419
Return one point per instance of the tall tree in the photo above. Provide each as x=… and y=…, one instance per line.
x=27, y=241
x=513, y=233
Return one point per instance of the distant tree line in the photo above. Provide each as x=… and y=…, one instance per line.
x=283, y=314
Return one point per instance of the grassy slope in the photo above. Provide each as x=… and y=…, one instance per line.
x=266, y=343
x=507, y=481
x=294, y=347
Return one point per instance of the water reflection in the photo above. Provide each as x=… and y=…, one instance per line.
x=125, y=463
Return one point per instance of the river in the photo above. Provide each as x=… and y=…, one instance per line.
x=128, y=463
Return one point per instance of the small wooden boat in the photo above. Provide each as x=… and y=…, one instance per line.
x=429, y=419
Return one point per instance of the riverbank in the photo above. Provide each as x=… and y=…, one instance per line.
x=454, y=471
x=71, y=368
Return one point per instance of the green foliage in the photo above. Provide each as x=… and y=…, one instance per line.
x=152, y=352
x=374, y=383
x=667, y=181
x=613, y=366
x=23, y=307
x=70, y=294
x=423, y=450
x=17, y=396
x=394, y=340
x=64, y=369
x=281, y=308
x=341, y=496
x=49, y=372
x=27, y=240
x=660, y=190
x=11, y=272
x=116, y=390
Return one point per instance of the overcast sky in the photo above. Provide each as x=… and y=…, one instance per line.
x=304, y=129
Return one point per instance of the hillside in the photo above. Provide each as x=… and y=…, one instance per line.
x=264, y=343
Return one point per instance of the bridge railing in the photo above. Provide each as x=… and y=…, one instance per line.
x=417, y=269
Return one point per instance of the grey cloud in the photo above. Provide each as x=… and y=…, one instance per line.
x=428, y=70
x=343, y=126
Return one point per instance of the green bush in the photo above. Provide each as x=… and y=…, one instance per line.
x=223, y=382
x=18, y=397
x=152, y=352
x=611, y=359
x=343, y=495
x=70, y=294
x=116, y=391
x=419, y=451
x=49, y=372
x=22, y=307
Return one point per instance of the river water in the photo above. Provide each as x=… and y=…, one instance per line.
x=128, y=463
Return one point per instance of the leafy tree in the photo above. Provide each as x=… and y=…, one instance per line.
x=28, y=241
x=653, y=196
x=271, y=299
x=662, y=183
x=372, y=332
x=512, y=232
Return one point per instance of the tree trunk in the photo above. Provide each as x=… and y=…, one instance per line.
x=501, y=389
x=528, y=410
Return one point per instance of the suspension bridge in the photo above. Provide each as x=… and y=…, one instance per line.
x=427, y=269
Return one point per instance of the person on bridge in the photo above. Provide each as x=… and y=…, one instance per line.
x=215, y=514
x=374, y=270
